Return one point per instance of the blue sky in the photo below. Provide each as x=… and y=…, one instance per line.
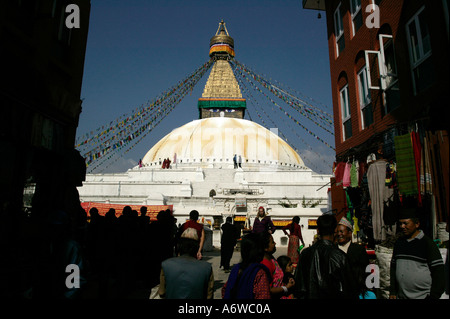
x=137, y=49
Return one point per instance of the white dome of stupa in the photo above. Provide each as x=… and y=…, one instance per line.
x=218, y=139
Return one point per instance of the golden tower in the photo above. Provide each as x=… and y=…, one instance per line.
x=221, y=96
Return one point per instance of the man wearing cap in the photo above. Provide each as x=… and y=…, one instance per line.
x=357, y=255
x=417, y=269
x=323, y=271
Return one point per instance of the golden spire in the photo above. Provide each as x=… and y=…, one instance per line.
x=221, y=95
x=221, y=45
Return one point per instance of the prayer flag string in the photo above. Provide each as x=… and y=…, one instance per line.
x=253, y=101
x=240, y=73
x=126, y=130
x=313, y=113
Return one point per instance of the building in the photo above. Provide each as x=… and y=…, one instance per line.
x=42, y=63
x=202, y=173
x=389, y=76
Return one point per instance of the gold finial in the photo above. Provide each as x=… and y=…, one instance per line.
x=222, y=29
x=221, y=44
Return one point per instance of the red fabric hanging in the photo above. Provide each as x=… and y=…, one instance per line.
x=339, y=172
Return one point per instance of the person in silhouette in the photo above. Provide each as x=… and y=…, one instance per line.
x=64, y=251
x=186, y=277
x=323, y=271
x=230, y=235
x=193, y=223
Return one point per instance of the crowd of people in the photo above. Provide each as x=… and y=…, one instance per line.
x=334, y=267
x=125, y=253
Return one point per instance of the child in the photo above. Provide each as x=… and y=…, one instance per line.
x=286, y=265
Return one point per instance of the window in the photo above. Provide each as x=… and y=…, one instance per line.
x=381, y=68
x=365, y=102
x=356, y=12
x=387, y=53
x=345, y=113
x=339, y=30
x=374, y=69
x=390, y=80
x=419, y=44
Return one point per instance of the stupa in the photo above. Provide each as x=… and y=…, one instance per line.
x=203, y=174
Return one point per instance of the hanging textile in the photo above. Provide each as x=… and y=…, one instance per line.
x=406, y=166
x=355, y=225
x=362, y=170
x=379, y=193
x=354, y=174
x=346, y=177
x=338, y=199
x=417, y=150
x=438, y=155
x=339, y=172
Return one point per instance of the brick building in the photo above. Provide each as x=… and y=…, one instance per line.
x=389, y=76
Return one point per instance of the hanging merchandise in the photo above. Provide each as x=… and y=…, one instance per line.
x=406, y=166
x=365, y=208
x=355, y=226
x=391, y=174
x=391, y=208
x=355, y=195
x=363, y=166
x=437, y=151
x=379, y=192
x=339, y=173
x=354, y=182
x=349, y=214
x=346, y=177
x=417, y=150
